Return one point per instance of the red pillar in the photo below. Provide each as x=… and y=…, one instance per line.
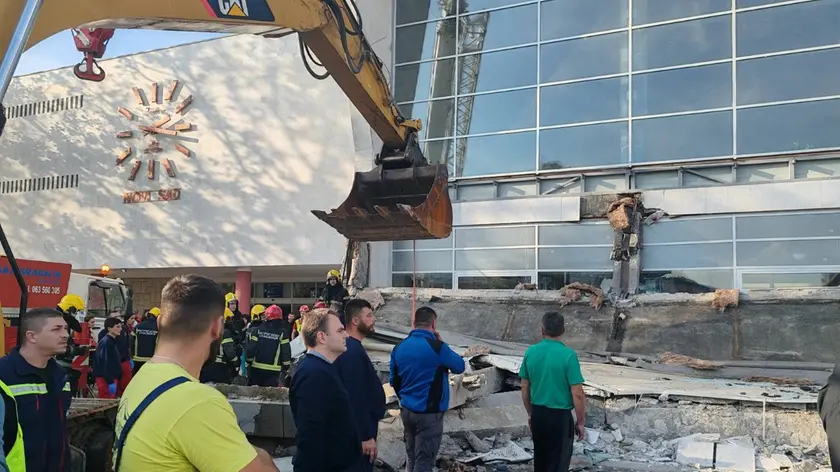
x=243, y=290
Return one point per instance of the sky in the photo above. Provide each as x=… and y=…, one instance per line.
x=60, y=50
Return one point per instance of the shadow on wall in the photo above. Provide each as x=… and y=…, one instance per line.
x=272, y=144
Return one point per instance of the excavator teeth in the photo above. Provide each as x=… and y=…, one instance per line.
x=360, y=212
x=383, y=211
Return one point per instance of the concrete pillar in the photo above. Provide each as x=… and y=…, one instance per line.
x=242, y=289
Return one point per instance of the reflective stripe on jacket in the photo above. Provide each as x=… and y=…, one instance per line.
x=15, y=455
x=144, y=340
x=268, y=347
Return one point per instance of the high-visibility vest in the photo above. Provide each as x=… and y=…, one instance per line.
x=16, y=459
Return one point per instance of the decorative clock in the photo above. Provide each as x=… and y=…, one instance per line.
x=153, y=130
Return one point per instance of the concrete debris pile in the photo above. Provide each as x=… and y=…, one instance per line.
x=574, y=292
x=724, y=299
x=679, y=359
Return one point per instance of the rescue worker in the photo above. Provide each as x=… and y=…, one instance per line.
x=269, y=352
x=257, y=312
x=334, y=291
x=107, y=365
x=144, y=339
x=37, y=395
x=223, y=369
x=70, y=305
x=239, y=321
x=296, y=321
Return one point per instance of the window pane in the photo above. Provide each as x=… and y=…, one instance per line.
x=817, y=169
x=517, y=189
x=796, y=280
x=558, y=280
x=425, y=80
x=439, y=152
x=673, y=91
x=309, y=290
x=476, y=192
x=685, y=281
x=653, y=11
x=703, y=40
x=605, y=183
x=508, y=282
x=802, y=25
x=792, y=127
x=560, y=186
x=675, y=231
x=498, y=29
x=494, y=237
x=410, y=12
x=789, y=253
x=706, y=176
x=762, y=172
x=478, y=5
x=566, y=18
x=495, y=259
x=576, y=259
x=651, y=180
x=426, y=41
x=813, y=225
x=499, y=154
x=438, y=117
x=586, y=57
x=497, y=70
x=445, y=243
x=580, y=102
x=583, y=146
x=578, y=235
x=802, y=75
x=497, y=112
x=428, y=261
x=755, y=3
x=687, y=256
x=423, y=280
x=683, y=137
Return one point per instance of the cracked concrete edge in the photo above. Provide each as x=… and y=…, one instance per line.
x=823, y=295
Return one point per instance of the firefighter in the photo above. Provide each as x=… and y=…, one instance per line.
x=269, y=352
x=144, y=339
x=334, y=291
x=223, y=369
x=296, y=322
x=70, y=306
x=257, y=312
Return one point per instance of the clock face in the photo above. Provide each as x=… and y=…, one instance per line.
x=155, y=130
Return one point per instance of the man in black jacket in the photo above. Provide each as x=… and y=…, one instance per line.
x=327, y=439
x=222, y=370
x=144, y=339
x=107, y=366
x=268, y=352
x=360, y=378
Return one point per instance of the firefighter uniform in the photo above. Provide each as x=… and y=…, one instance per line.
x=144, y=340
x=12, y=448
x=36, y=402
x=223, y=369
x=69, y=306
x=269, y=352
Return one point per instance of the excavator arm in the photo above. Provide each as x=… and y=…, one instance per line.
x=402, y=198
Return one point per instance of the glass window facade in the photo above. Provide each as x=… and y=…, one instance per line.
x=518, y=86
x=689, y=254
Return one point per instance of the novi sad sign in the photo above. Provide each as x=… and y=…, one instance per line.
x=147, y=196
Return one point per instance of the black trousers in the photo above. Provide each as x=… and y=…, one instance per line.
x=828, y=404
x=553, y=432
x=217, y=372
x=263, y=378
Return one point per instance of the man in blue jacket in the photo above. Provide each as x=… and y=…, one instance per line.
x=107, y=365
x=326, y=439
x=40, y=391
x=420, y=367
x=360, y=378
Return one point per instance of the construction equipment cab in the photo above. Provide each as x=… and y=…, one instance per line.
x=403, y=198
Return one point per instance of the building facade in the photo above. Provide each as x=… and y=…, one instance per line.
x=722, y=113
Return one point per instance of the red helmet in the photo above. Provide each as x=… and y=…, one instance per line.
x=303, y=309
x=273, y=312
x=320, y=305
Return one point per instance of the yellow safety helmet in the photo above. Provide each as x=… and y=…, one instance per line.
x=155, y=311
x=230, y=297
x=71, y=303
x=257, y=310
x=334, y=273
x=228, y=313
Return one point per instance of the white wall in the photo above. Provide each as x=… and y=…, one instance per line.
x=272, y=144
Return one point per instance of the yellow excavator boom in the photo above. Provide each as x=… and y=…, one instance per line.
x=403, y=198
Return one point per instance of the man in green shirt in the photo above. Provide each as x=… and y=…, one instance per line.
x=552, y=386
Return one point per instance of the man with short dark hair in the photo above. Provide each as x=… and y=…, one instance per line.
x=167, y=420
x=38, y=394
x=360, y=378
x=107, y=364
x=326, y=439
x=420, y=367
x=552, y=386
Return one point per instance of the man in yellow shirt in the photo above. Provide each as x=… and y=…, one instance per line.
x=167, y=420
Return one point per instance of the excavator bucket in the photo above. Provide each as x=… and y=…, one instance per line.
x=395, y=205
